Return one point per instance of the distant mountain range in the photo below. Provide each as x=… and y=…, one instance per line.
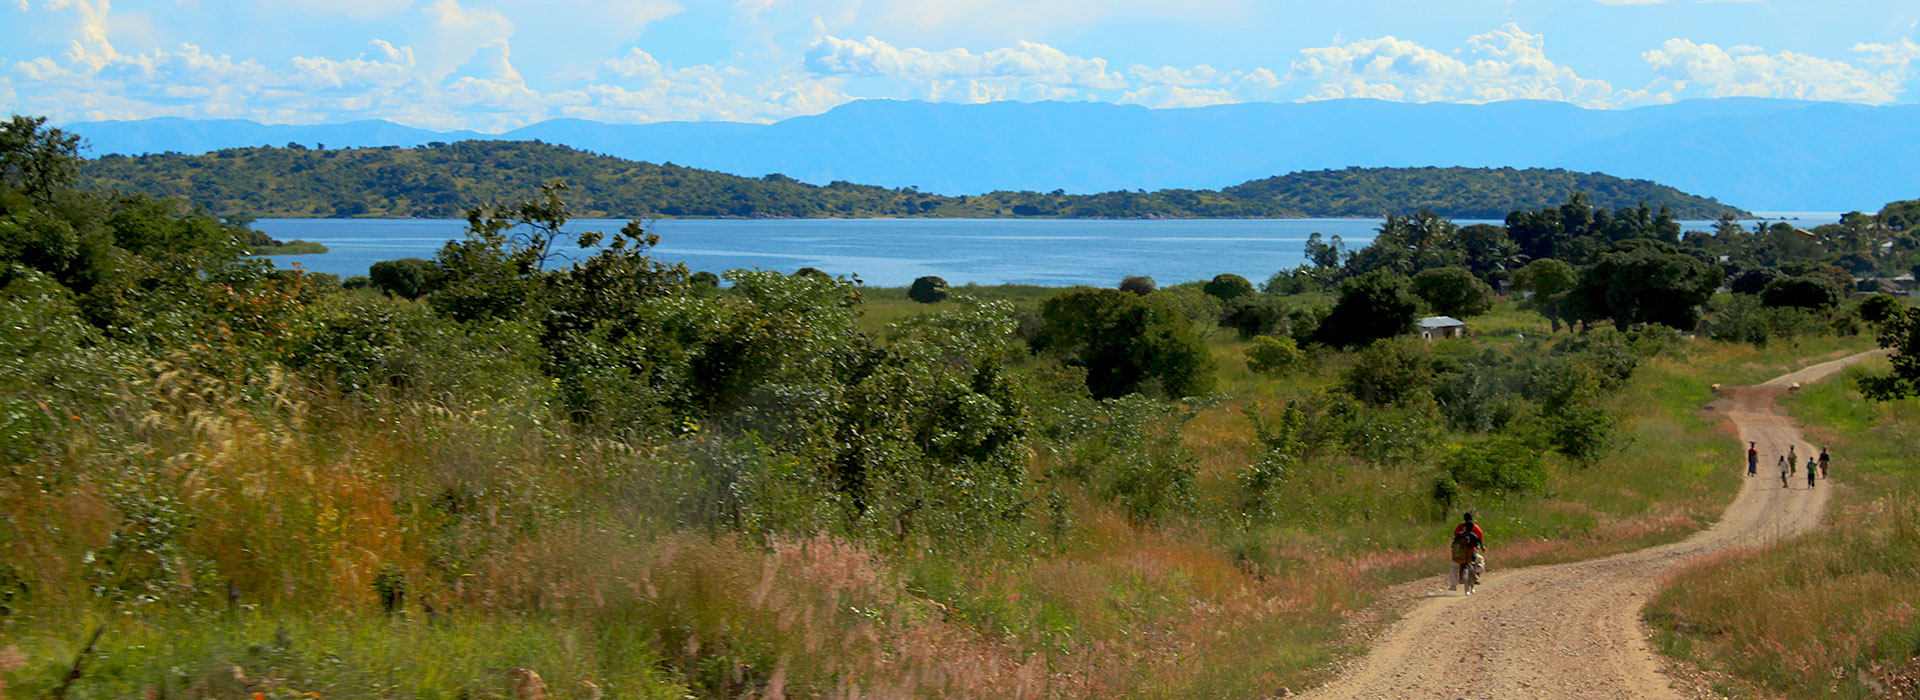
x=444, y=180
x=1759, y=153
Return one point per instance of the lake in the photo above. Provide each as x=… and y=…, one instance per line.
x=892, y=252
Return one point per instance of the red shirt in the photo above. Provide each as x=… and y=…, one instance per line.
x=1463, y=527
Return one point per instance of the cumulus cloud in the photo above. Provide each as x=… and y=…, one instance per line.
x=1027, y=62
x=1507, y=64
x=1745, y=71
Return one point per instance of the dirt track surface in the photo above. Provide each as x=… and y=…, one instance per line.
x=1573, y=630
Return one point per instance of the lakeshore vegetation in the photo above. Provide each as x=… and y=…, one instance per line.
x=492, y=472
x=444, y=180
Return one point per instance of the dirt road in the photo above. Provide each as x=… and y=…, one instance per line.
x=1573, y=630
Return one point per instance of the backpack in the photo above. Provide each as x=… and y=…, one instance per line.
x=1464, y=545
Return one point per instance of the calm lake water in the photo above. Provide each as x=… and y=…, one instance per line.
x=892, y=252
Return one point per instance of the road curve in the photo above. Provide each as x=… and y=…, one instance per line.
x=1573, y=630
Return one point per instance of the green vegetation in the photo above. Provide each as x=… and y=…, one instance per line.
x=442, y=180
x=616, y=472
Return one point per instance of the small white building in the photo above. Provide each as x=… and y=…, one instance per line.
x=1441, y=327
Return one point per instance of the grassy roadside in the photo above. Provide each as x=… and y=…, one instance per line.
x=580, y=586
x=1831, y=615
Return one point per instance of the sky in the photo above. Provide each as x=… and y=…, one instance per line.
x=494, y=65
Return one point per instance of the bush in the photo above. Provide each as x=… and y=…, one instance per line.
x=1804, y=292
x=1273, y=356
x=1496, y=464
x=928, y=290
x=1124, y=343
x=1256, y=315
x=407, y=278
x=1389, y=372
x=1742, y=318
x=1138, y=284
x=1228, y=286
x=1582, y=432
x=1878, y=308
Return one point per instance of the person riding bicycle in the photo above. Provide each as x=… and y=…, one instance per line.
x=1468, y=542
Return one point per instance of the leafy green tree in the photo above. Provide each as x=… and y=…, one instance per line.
x=1124, y=343
x=407, y=278
x=1878, y=308
x=1256, y=315
x=1549, y=280
x=1645, y=282
x=1488, y=251
x=1228, y=287
x=928, y=290
x=1389, y=372
x=1806, y=292
x=1138, y=284
x=37, y=160
x=1372, y=306
x=1453, y=291
x=1753, y=281
x=1900, y=333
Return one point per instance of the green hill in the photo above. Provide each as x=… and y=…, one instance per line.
x=442, y=180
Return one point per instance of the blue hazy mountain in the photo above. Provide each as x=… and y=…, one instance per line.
x=1759, y=153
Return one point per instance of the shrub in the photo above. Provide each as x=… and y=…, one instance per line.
x=1742, y=318
x=928, y=290
x=1273, y=355
x=1228, y=286
x=407, y=278
x=1389, y=372
x=1138, y=284
x=1878, y=308
x=1805, y=292
x=1582, y=432
x=1496, y=464
x=1124, y=343
x=1256, y=315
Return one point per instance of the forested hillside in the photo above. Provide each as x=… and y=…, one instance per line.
x=440, y=180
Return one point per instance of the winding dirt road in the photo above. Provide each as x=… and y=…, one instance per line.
x=1573, y=630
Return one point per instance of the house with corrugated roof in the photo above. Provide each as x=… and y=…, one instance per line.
x=1441, y=327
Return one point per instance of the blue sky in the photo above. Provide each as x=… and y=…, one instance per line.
x=492, y=65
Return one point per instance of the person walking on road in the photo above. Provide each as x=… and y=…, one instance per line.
x=1813, y=470
x=1784, y=472
x=1793, y=462
x=1823, y=462
x=1753, y=459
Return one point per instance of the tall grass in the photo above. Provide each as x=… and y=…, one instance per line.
x=1833, y=614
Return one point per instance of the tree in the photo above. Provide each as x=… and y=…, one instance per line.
x=1546, y=277
x=35, y=159
x=1901, y=334
x=928, y=290
x=1372, y=306
x=409, y=278
x=1753, y=281
x=1878, y=308
x=1453, y=291
x=1389, y=372
x=1228, y=287
x=1138, y=284
x=1489, y=252
x=1124, y=343
x=1256, y=315
x=1645, y=282
x=1807, y=292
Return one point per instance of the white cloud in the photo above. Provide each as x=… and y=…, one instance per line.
x=1026, y=62
x=1745, y=71
x=1507, y=64
x=1168, y=75
x=1169, y=96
